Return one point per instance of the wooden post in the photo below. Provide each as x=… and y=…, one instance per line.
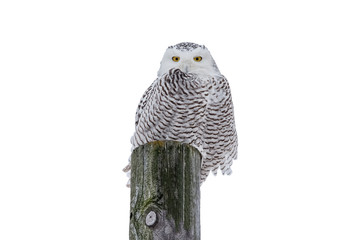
x=165, y=192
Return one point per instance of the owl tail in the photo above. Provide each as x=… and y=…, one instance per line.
x=127, y=169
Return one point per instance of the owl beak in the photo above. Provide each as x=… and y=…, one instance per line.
x=185, y=68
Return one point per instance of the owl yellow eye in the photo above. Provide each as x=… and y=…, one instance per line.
x=176, y=59
x=197, y=59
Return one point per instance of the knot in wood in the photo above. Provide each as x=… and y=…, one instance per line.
x=150, y=219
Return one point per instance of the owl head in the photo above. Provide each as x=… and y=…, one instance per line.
x=189, y=58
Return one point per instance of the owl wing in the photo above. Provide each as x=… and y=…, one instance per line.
x=139, y=111
x=219, y=137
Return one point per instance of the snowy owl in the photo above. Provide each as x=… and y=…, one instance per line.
x=190, y=102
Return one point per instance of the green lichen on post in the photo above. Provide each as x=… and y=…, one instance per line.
x=165, y=179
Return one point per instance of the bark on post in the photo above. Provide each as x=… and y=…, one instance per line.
x=165, y=192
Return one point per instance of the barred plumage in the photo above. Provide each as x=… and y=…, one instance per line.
x=193, y=107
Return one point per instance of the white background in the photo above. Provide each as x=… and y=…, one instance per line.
x=71, y=76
